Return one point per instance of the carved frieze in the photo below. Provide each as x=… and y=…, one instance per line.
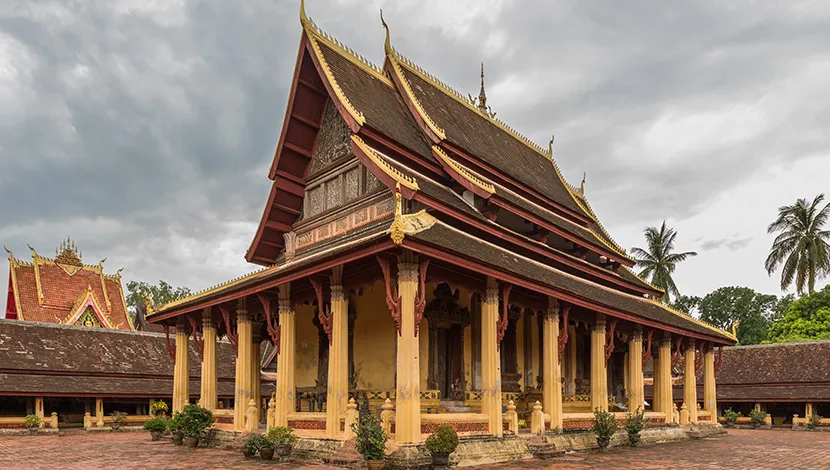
x=333, y=141
x=346, y=223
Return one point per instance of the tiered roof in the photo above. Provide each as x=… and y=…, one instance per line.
x=66, y=291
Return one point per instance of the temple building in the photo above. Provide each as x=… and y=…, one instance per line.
x=426, y=260
x=69, y=352
x=64, y=290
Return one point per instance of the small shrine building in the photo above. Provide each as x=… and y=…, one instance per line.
x=424, y=259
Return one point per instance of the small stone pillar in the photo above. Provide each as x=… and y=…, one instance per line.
x=675, y=415
x=512, y=418
x=87, y=420
x=351, y=418
x=251, y=423
x=387, y=416
x=684, y=414
x=54, y=421
x=537, y=419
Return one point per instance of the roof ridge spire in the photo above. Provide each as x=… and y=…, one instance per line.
x=387, y=46
x=482, y=96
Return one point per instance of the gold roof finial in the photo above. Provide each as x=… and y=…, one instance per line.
x=101, y=263
x=482, y=96
x=303, y=17
x=11, y=256
x=388, y=45
x=396, y=230
x=582, y=185
x=550, y=146
x=67, y=253
x=34, y=252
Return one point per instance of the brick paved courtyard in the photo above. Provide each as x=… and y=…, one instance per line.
x=741, y=449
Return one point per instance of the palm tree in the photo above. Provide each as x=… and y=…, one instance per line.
x=659, y=260
x=802, y=246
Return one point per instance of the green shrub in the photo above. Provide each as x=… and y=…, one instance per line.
x=813, y=422
x=252, y=443
x=757, y=418
x=157, y=424
x=605, y=426
x=280, y=436
x=174, y=424
x=32, y=421
x=158, y=407
x=730, y=416
x=371, y=438
x=443, y=441
x=194, y=420
x=634, y=424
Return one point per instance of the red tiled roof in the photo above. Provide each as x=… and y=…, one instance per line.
x=62, y=286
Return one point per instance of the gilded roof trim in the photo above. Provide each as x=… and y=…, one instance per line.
x=14, y=263
x=392, y=172
x=643, y=279
x=463, y=171
x=611, y=243
x=691, y=318
x=210, y=290
x=79, y=307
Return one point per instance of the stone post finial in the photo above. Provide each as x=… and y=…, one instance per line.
x=251, y=423
x=387, y=416
x=512, y=418
x=537, y=419
x=351, y=419
x=684, y=414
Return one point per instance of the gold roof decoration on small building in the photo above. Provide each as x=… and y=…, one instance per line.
x=67, y=253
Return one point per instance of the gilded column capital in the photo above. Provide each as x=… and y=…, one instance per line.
x=207, y=319
x=181, y=328
x=256, y=331
x=690, y=344
x=552, y=312
x=337, y=293
x=407, y=271
x=242, y=316
x=284, y=299
x=638, y=335
x=665, y=341
x=600, y=323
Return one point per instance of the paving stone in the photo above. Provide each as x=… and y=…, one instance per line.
x=740, y=449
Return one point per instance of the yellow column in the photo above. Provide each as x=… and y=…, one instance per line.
x=408, y=387
x=666, y=397
x=552, y=380
x=285, y=398
x=690, y=381
x=490, y=363
x=181, y=371
x=99, y=412
x=338, y=384
x=208, y=388
x=243, y=365
x=710, y=397
x=599, y=374
x=656, y=403
x=39, y=409
x=635, y=371
x=256, y=358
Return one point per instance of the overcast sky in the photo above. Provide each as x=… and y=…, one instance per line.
x=144, y=128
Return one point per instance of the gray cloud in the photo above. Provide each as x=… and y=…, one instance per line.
x=730, y=244
x=145, y=129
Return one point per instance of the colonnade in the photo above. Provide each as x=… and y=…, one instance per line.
x=408, y=400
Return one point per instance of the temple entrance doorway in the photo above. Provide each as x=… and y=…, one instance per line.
x=446, y=345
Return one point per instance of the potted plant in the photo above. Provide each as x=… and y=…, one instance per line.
x=194, y=422
x=634, y=424
x=370, y=441
x=756, y=418
x=730, y=416
x=32, y=422
x=251, y=444
x=281, y=440
x=813, y=422
x=174, y=425
x=158, y=408
x=440, y=445
x=119, y=418
x=605, y=426
x=156, y=426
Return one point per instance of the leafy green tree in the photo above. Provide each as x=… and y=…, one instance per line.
x=750, y=309
x=687, y=304
x=659, y=260
x=802, y=247
x=807, y=319
x=160, y=294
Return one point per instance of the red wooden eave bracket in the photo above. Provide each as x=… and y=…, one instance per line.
x=171, y=348
x=719, y=359
x=229, y=332
x=609, y=347
x=271, y=324
x=323, y=313
x=501, y=325
x=393, y=300
x=677, y=356
x=198, y=339
x=421, y=300
x=701, y=346
x=563, y=337
x=647, y=351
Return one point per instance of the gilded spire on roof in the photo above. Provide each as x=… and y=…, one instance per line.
x=67, y=253
x=582, y=185
x=387, y=46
